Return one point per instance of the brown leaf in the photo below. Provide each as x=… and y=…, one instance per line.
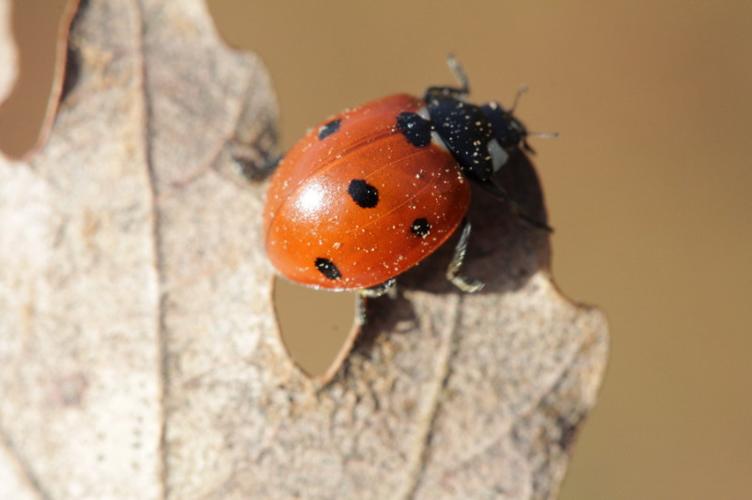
x=138, y=349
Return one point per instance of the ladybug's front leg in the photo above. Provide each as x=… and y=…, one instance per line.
x=463, y=90
x=464, y=283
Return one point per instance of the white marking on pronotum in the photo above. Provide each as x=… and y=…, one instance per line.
x=435, y=138
x=498, y=156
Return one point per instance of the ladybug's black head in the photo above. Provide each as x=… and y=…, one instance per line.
x=507, y=129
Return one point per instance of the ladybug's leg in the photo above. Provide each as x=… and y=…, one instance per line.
x=456, y=68
x=360, y=309
x=464, y=283
x=389, y=287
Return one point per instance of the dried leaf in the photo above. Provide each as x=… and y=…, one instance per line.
x=138, y=349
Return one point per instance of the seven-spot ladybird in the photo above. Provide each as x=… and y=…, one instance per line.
x=374, y=190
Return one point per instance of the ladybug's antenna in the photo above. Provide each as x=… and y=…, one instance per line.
x=456, y=68
x=521, y=90
x=543, y=135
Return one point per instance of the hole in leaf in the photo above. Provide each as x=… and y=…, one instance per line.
x=315, y=325
x=35, y=25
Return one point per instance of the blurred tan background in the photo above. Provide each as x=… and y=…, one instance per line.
x=648, y=186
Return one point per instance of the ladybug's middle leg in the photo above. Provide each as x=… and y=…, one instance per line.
x=464, y=283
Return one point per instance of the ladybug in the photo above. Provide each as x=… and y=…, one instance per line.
x=374, y=190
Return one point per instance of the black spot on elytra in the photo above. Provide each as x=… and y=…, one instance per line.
x=362, y=193
x=420, y=227
x=329, y=128
x=415, y=128
x=327, y=268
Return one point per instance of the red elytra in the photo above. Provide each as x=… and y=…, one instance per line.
x=374, y=190
x=355, y=203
